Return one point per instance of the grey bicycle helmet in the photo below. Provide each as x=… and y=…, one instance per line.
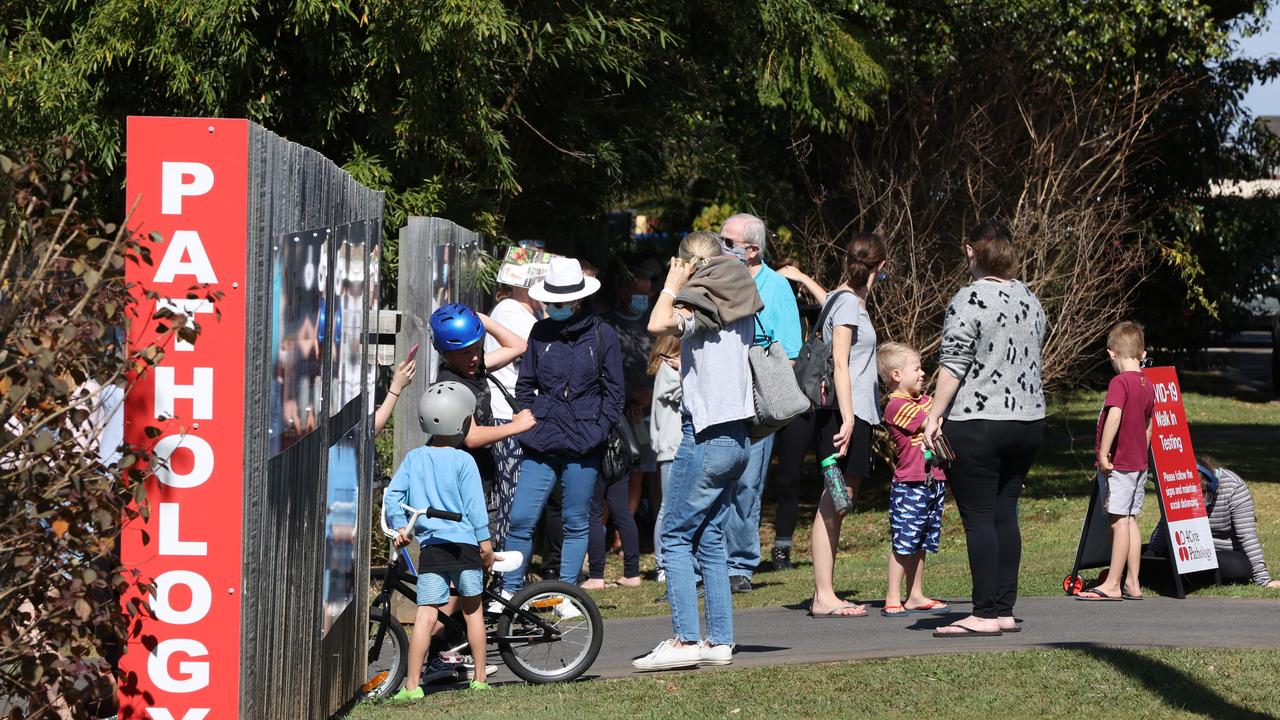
x=445, y=408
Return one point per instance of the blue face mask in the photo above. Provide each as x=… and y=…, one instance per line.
x=882, y=276
x=738, y=252
x=639, y=303
x=559, y=312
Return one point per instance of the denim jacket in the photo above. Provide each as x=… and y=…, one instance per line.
x=574, y=405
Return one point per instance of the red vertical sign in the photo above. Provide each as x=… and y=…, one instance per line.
x=188, y=178
x=1176, y=476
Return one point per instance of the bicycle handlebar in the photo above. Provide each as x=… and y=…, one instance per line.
x=414, y=514
x=432, y=513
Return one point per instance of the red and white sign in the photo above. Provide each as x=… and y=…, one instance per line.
x=188, y=178
x=1176, y=476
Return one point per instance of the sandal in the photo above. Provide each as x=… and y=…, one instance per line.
x=967, y=632
x=889, y=611
x=1096, y=595
x=834, y=613
x=929, y=606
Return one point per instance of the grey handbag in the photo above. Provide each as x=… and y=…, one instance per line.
x=778, y=398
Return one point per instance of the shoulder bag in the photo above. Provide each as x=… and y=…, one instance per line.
x=621, y=448
x=815, y=368
x=778, y=398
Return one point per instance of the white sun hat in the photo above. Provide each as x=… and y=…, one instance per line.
x=564, y=282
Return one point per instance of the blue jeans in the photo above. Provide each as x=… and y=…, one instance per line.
x=538, y=475
x=742, y=527
x=703, y=478
x=664, y=475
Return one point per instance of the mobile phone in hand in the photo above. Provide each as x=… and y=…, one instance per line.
x=413, y=351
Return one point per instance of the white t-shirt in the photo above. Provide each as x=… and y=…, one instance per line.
x=513, y=316
x=716, y=374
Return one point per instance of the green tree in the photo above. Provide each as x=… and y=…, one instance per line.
x=957, y=70
x=509, y=117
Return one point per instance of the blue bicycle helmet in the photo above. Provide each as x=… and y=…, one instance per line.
x=455, y=326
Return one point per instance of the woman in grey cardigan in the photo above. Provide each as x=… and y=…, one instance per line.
x=989, y=393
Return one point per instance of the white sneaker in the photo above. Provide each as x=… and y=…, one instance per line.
x=670, y=655
x=714, y=654
x=567, y=610
x=662, y=576
x=495, y=607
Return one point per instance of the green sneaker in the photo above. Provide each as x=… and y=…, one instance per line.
x=405, y=695
x=477, y=685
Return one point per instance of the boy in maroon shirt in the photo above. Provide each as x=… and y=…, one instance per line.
x=1124, y=435
x=917, y=494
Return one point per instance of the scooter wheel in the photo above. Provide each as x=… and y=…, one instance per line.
x=1072, y=584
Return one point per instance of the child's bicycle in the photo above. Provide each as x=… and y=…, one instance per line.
x=548, y=632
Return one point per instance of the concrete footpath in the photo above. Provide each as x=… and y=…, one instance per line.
x=784, y=636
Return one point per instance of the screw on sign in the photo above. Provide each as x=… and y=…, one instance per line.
x=189, y=189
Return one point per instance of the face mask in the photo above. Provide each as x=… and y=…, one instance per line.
x=559, y=312
x=738, y=252
x=639, y=303
x=882, y=276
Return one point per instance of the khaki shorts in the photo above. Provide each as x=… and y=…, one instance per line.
x=1123, y=491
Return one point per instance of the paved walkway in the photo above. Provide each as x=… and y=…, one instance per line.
x=782, y=636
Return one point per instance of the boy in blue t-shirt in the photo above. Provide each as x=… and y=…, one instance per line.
x=456, y=553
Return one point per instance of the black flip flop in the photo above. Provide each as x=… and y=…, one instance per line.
x=1127, y=596
x=968, y=632
x=1098, y=596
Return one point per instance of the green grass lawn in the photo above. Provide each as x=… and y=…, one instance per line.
x=1243, y=434
x=1101, y=682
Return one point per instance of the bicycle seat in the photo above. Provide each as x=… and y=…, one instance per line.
x=507, y=561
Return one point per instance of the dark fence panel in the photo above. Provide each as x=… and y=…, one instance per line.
x=289, y=668
x=439, y=264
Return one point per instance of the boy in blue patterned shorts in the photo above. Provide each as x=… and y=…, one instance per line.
x=917, y=492
x=442, y=477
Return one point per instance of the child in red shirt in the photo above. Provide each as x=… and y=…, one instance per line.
x=917, y=492
x=1124, y=435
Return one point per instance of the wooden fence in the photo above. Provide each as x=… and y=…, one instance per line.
x=308, y=446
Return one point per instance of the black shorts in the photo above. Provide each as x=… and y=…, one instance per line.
x=857, y=458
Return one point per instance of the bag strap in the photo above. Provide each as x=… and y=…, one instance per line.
x=768, y=339
x=502, y=389
x=826, y=311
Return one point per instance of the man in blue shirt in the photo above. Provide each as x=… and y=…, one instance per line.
x=781, y=320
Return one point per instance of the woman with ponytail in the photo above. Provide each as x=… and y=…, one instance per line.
x=709, y=301
x=843, y=429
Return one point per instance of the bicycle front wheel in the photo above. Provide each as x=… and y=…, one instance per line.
x=573, y=614
x=388, y=656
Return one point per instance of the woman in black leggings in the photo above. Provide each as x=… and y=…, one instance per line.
x=989, y=392
x=810, y=431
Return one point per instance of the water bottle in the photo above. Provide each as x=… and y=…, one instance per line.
x=834, y=480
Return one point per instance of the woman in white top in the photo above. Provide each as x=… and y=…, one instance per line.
x=709, y=300
x=517, y=312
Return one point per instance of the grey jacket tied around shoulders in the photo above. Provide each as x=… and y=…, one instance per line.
x=720, y=292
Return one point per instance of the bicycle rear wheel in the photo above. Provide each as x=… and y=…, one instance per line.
x=574, y=615
x=388, y=656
